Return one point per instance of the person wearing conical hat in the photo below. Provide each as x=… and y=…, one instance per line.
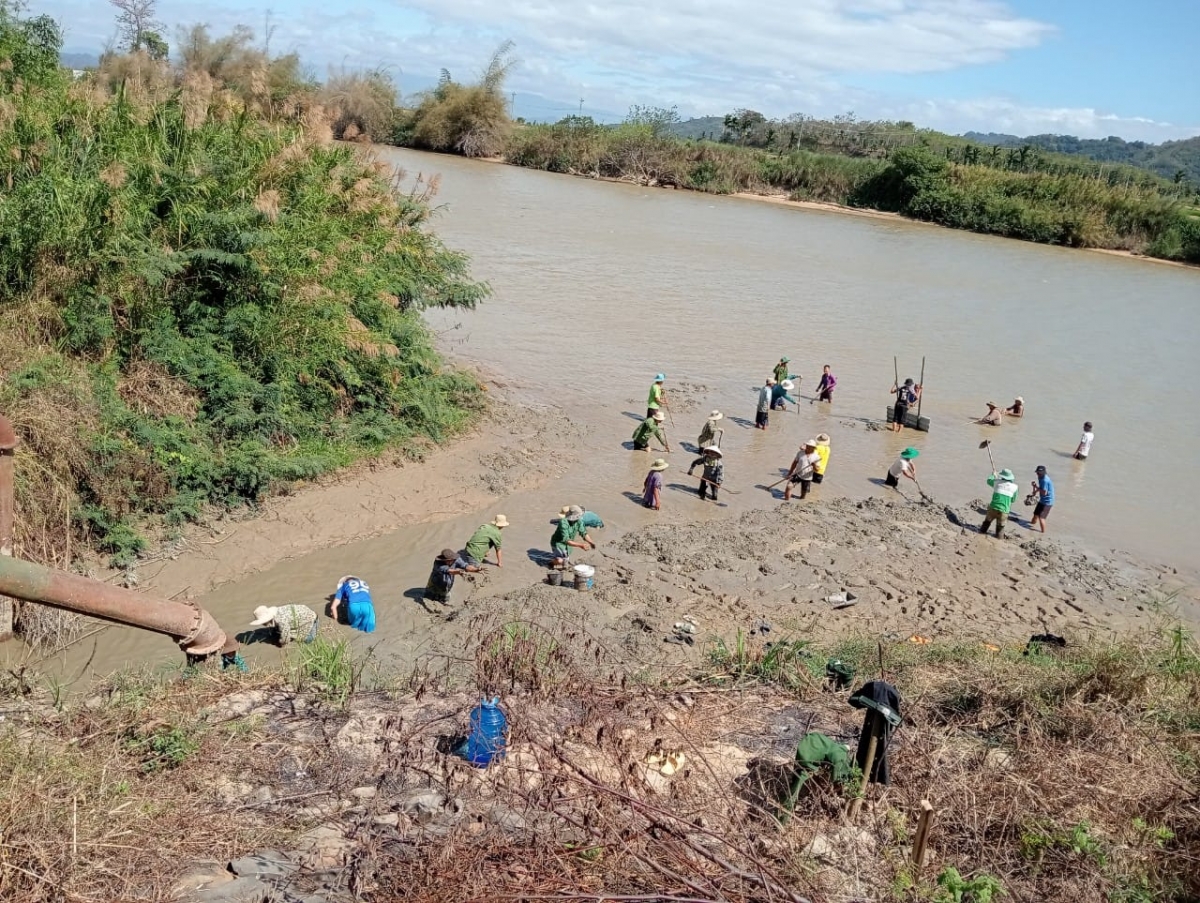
x=802, y=470
x=652, y=488
x=590, y=519
x=711, y=459
x=448, y=565
x=651, y=428
x=781, y=395
x=823, y=441
x=287, y=622
x=570, y=533
x=708, y=435
x=992, y=417
x=488, y=536
x=658, y=395
x=903, y=466
x=1004, y=491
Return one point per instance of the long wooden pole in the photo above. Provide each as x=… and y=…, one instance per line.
x=919, y=397
x=872, y=745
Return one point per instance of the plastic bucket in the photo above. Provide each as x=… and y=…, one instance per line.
x=583, y=583
x=554, y=578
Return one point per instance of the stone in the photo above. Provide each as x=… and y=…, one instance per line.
x=997, y=758
x=820, y=847
x=200, y=877
x=423, y=806
x=237, y=705
x=364, y=793
x=325, y=847
x=240, y=890
x=657, y=781
x=507, y=819
x=388, y=820
x=263, y=794
x=263, y=864
x=229, y=792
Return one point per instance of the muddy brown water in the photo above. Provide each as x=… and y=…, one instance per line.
x=599, y=285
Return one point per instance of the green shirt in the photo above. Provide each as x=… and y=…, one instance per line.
x=486, y=537
x=781, y=372
x=655, y=398
x=1003, y=494
x=648, y=428
x=565, y=532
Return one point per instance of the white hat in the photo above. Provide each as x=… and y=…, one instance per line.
x=712, y=450
x=808, y=442
x=659, y=416
x=574, y=513
x=1020, y=399
x=715, y=415
x=264, y=615
x=500, y=521
x=660, y=464
x=788, y=385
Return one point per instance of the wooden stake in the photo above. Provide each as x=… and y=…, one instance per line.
x=924, y=826
x=872, y=744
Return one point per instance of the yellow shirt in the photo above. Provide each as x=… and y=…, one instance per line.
x=823, y=453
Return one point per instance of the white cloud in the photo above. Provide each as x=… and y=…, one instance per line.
x=1003, y=115
x=779, y=56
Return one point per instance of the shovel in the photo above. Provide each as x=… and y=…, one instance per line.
x=927, y=498
x=987, y=443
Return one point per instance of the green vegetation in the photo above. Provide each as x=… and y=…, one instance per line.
x=328, y=666
x=1174, y=160
x=947, y=181
x=201, y=297
x=471, y=120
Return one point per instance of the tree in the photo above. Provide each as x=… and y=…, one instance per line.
x=659, y=119
x=135, y=19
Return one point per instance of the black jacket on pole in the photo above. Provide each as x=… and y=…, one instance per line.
x=882, y=701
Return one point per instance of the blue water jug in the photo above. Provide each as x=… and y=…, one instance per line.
x=489, y=728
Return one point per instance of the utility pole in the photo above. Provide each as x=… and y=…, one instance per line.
x=581, y=107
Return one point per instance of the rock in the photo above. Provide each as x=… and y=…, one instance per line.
x=389, y=820
x=820, y=847
x=507, y=819
x=240, y=890
x=200, y=877
x=424, y=806
x=229, y=792
x=997, y=758
x=325, y=847
x=237, y=705
x=364, y=793
x=263, y=864
x=657, y=781
x=263, y=794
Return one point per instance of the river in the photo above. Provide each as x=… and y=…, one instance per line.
x=598, y=285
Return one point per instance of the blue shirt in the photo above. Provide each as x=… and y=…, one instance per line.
x=1046, y=489
x=355, y=598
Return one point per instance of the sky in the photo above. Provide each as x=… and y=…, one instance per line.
x=1091, y=68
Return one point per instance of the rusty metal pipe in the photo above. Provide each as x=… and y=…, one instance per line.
x=193, y=628
x=8, y=445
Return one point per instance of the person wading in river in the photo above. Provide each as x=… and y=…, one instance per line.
x=906, y=395
x=713, y=474
x=1043, y=486
x=1004, y=490
x=781, y=370
x=487, y=537
x=780, y=398
x=903, y=466
x=802, y=470
x=1085, y=443
x=650, y=428
x=570, y=533
x=652, y=487
x=1017, y=408
x=992, y=417
x=708, y=435
x=658, y=395
x=446, y=567
x=826, y=386
x=762, y=415
x=823, y=450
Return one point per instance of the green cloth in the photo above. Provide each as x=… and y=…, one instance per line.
x=1003, y=494
x=486, y=537
x=646, y=429
x=564, y=533
x=781, y=372
x=655, y=399
x=816, y=749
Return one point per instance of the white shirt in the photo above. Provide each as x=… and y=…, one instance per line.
x=803, y=465
x=1085, y=443
x=899, y=466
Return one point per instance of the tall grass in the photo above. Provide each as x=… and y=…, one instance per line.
x=200, y=300
x=471, y=120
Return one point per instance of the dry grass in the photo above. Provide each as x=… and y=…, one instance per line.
x=1068, y=779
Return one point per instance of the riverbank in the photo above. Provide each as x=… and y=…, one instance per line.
x=1055, y=774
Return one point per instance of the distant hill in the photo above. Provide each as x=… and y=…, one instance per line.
x=709, y=127
x=78, y=60
x=1166, y=159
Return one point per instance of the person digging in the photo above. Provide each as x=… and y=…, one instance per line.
x=651, y=428
x=1004, y=491
x=713, y=473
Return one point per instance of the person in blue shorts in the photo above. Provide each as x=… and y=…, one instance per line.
x=1044, y=487
x=352, y=605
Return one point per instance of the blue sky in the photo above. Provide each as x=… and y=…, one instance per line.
x=1086, y=67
